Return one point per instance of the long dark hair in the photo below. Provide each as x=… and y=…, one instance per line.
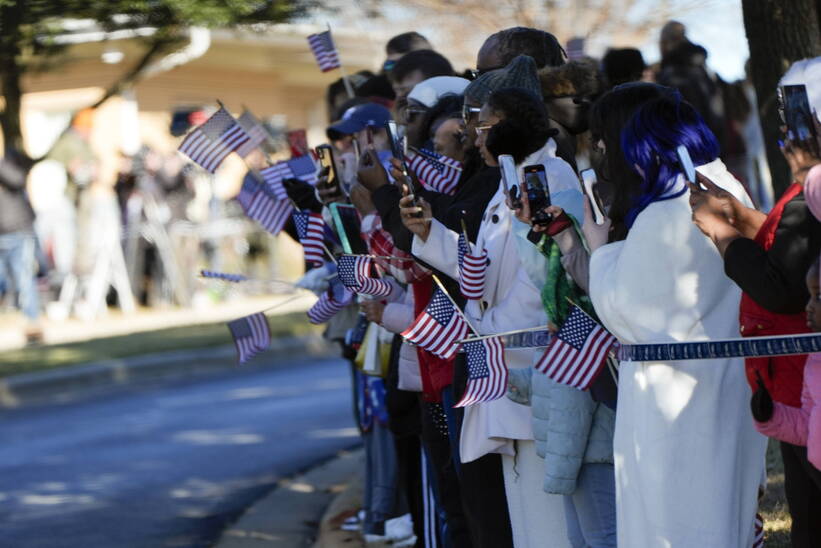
x=608, y=116
x=525, y=127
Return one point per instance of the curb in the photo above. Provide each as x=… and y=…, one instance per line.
x=24, y=387
x=290, y=515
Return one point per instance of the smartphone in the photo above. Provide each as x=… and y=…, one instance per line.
x=397, y=147
x=589, y=181
x=798, y=114
x=325, y=154
x=538, y=194
x=686, y=163
x=510, y=179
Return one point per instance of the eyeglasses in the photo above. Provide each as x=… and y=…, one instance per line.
x=468, y=112
x=483, y=129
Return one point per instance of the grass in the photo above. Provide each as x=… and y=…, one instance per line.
x=773, y=507
x=40, y=358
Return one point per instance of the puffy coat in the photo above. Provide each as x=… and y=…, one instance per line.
x=570, y=429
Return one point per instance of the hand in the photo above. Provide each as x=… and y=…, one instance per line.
x=559, y=221
x=327, y=194
x=371, y=174
x=372, y=310
x=361, y=199
x=595, y=235
x=419, y=225
x=522, y=209
x=315, y=280
x=746, y=220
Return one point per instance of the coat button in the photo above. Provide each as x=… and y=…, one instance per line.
x=488, y=261
x=494, y=219
x=741, y=329
x=485, y=305
x=759, y=326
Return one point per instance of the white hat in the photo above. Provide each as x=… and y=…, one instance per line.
x=428, y=92
x=807, y=72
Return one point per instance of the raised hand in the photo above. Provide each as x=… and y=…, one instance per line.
x=410, y=212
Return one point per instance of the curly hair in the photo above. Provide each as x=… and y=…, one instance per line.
x=525, y=126
x=542, y=46
x=448, y=106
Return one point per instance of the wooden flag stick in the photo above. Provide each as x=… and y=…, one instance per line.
x=348, y=86
x=458, y=310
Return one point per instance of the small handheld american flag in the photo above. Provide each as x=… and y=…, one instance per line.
x=330, y=302
x=251, y=335
x=302, y=168
x=310, y=228
x=256, y=133
x=438, y=328
x=487, y=372
x=262, y=207
x=209, y=144
x=355, y=273
x=578, y=352
x=322, y=46
x=435, y=171
x=472, y=270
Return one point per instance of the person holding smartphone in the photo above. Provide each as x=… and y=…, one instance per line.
x=665, y=282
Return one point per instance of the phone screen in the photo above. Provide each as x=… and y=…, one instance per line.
x=686, y=163
x=346, y=222
x=589, y=181
x=326, y=162
x=797, y=113
x=538, y=194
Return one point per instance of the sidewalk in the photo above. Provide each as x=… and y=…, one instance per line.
x=311, y=504
x=116, y=323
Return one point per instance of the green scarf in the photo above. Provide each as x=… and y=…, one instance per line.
x=560, y=286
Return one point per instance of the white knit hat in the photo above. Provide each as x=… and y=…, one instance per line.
x=428, y=92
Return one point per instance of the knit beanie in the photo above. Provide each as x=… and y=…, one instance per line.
x=519, y=73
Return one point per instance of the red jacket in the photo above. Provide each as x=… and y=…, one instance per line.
x=782, y=375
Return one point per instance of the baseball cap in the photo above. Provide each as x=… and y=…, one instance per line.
x=357, y=118
x=428, y=92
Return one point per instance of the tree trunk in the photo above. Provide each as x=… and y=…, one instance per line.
x=778, y=33
x=10, y=74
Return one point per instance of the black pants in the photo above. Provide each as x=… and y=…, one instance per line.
x=802, y=482
x=482, y=481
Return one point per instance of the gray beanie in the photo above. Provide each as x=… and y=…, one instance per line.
x=519, y=73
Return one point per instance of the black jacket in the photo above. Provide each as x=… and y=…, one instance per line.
x=775, y=279
x=16, y=214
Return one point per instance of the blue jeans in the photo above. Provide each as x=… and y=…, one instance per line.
x=590, y=511
x=18, y=263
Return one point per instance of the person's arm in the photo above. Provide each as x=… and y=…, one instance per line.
x=775, y=278
x=575, y=259
x=789, y=424
x=12, y=176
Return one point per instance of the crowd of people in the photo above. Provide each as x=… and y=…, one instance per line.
x=653, y=453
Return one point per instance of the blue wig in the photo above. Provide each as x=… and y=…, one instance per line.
x=649, y=141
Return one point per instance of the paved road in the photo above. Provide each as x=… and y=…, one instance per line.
x=165, y=464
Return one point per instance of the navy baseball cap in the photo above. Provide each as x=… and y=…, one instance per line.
x=358, y=118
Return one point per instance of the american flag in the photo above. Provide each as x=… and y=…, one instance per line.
x=265, y=209
x=438, y=327
x=209, y=144
x=578, y=352
x=322, y=45
x=355, y=273
x=233, y=278
x=330, y=302
x=472, y=270
x=253, y=128
x=310, y=228
x=436, y=171
x=487, y=372
x=251, y=335
x=758, y=541
x=302, y=168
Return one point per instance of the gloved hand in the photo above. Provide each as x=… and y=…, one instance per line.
x=315, y=279
x=761, y=403
x=302, y=194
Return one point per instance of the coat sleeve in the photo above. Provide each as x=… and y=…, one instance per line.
x=570, y=418
x=788, y=423
x=439, y=250
x=397, y=317
x=775, y=278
